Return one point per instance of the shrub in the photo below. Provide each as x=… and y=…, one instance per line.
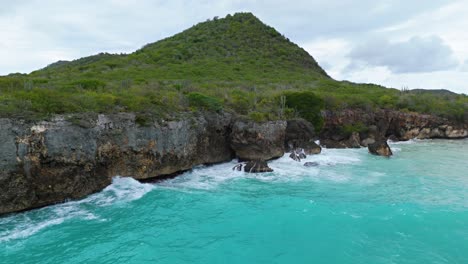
x=90, y=84
x=204, y=102
x=307, y=105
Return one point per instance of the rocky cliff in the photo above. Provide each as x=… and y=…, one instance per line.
x=48, y=162
x=356, y=128
x=69, y=157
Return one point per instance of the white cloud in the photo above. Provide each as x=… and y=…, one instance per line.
x=36, y=33
x=464, y=66
x=418, y=54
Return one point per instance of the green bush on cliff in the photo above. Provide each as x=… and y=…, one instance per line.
x=308, y=106
x=348, y=129
x=236, y=63
x=204, y=102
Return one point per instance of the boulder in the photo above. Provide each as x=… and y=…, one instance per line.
x=311, y=164
x=258, y=141
x=298, y=154
x=295, y=157
x=300, y=134
x=257, y=166
x=380, y=148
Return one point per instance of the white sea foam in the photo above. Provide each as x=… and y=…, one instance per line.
x=22, y=225
x=285, y=170
x=122, y=190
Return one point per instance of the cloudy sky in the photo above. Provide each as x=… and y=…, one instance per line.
x=414, y=44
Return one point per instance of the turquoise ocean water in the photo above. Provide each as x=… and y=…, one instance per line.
x=353, y=208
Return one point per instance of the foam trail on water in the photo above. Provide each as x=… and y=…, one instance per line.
x=285, y=170
x=23, y=225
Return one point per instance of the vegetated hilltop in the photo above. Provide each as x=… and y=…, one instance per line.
x=236, y=63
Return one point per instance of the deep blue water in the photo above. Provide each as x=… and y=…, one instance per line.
x=352, y=208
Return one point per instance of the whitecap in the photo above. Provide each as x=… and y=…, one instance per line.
x=23, y=225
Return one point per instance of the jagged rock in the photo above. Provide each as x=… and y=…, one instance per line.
x=302, y=155
x=380, y=148
x=295, y=157
x=383, y=123
x=238, y=167
x=311, y=164
x=257, y=166
x=258, y=141
x=298, y=154
x=352, y=142
x=47, y=162
x=300, y=134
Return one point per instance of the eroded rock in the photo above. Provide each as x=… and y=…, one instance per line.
x=258, y=141
x=257, y=167
x=380, y=148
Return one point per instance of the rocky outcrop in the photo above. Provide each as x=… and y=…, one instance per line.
x=258, y=141
x=382, y=124
x=301, y=134
x=257, y=167
x=380, y=148
x=70, y=157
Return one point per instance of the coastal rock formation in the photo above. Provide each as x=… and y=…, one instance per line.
x=257, y=167
x=379, y=124
x=258, y=141
x=380, y=148
x=301, y=134
x=311, y=164
x=67, y=158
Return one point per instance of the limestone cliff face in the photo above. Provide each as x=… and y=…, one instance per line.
x=48, y=162
x=386, y=124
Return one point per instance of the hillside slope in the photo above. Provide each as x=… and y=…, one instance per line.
x=236, y=64
x=235, y=48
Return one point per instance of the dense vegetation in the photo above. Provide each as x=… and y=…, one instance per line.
x=235, y=64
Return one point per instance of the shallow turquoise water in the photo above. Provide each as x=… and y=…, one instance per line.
x=353, y=208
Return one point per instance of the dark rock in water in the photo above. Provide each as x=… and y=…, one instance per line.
x=238, y=167
x=393, y=138
x=298, y=154
x=300, y=134
x=258, y=141
x=311, y=148
x=257, y=166
x=380, y=148
x=295, y=157
x=311, y=164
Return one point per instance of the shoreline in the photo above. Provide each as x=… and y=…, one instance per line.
x=48, y=162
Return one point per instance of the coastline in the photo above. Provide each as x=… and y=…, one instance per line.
x=63, y=159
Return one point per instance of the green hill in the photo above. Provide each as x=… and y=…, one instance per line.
x=236, y=48
x=235, y=64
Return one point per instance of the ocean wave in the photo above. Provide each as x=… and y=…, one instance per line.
x=23, y=225
x=285, y=170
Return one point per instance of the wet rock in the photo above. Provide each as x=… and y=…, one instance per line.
x=257, y=167
x=295, y=157
x=380, y=148
x=300, y=134
x=238, y=167
x=311, y=164
x=47, y=162
x=258, y=141
x=298, y=154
